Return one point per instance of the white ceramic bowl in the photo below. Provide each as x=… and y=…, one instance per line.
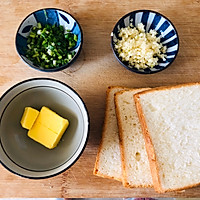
x=25, y=157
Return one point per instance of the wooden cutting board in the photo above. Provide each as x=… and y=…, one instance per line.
x=94, y=71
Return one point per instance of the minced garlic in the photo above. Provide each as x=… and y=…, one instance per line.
x=142, y=50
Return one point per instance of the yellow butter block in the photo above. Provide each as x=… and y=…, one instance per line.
x=29, y=117
x=45, y=127
x=43, y=135
x=52, y=120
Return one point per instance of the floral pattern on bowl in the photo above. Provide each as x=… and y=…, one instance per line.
x=48, y=16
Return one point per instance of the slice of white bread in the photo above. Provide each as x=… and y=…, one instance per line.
x=135, y=164
x=108, y=160
x=170, y=119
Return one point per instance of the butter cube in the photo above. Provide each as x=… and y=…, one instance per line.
x=45, y=127
x=43, y=135
x=53, y=121
x=29, y=117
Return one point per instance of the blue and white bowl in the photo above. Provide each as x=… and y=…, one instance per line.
x=48, y=16
x=151, y=20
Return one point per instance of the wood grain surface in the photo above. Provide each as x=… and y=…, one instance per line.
x=95, y=70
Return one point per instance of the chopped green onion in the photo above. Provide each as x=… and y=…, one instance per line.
x=49, y=46
x=75, y=38
x=69, y=56
x=39, y=25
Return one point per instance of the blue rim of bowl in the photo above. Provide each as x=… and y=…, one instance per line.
x=86, y=141
x=58, y=68
x=135, y=69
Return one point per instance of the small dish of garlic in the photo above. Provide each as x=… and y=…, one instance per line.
x=145, y=41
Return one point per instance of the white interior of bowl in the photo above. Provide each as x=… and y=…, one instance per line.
x=26, y=157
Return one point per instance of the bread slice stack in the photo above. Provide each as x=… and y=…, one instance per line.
x=109, y=159
x=158, y=137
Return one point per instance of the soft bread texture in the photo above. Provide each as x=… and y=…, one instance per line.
x=135, y=164
x=170, y=119
x=108, y=161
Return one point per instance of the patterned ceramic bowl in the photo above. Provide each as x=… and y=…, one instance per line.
x=151, y=20
x=48, y=16
x=22, y=155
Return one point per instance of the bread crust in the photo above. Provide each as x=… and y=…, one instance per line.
x=149, y=146
x=96, y=167
x=121, y=144
x=121, y=141
x=148, y=141
x=167, y=88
